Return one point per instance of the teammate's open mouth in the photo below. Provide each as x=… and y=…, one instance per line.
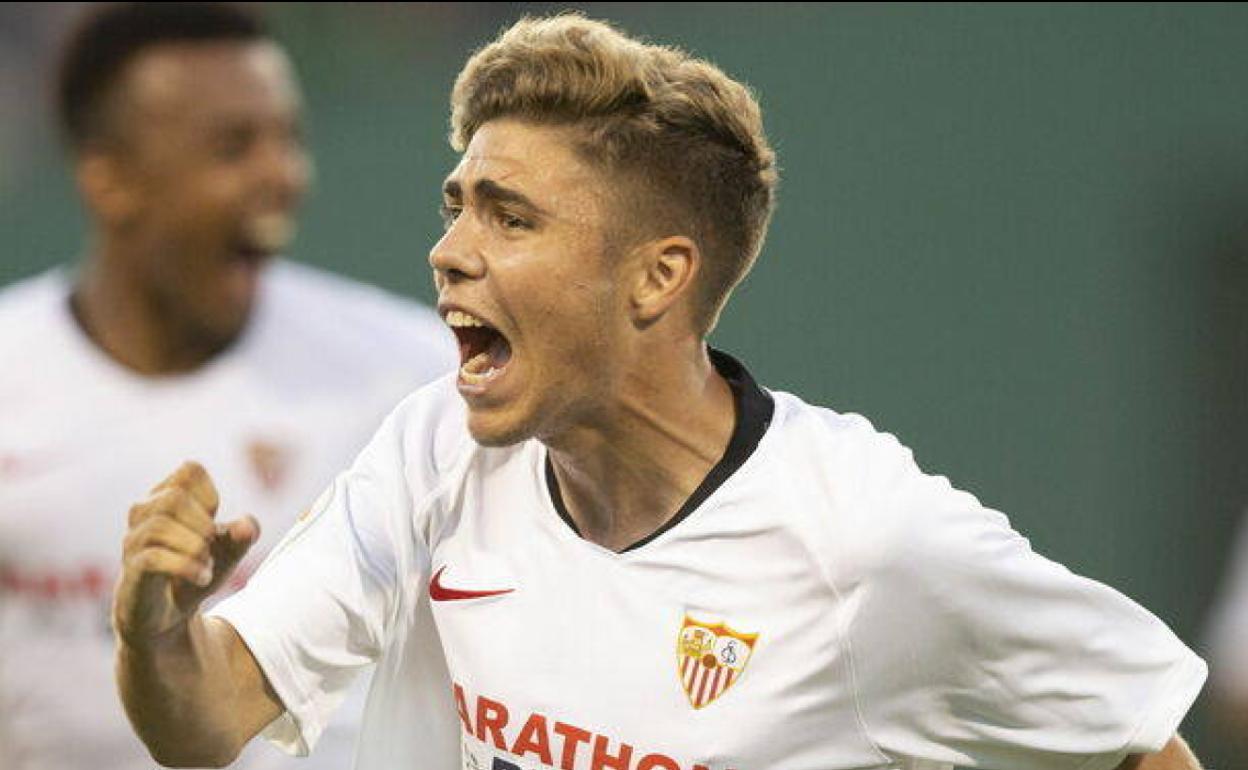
x=261, y=237
x=483, y=350
x=248, y=253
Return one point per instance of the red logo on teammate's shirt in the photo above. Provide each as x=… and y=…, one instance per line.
x=26, y=464
x=270, y=462
x=440, y=593
x=90, y=581
x=710, y=659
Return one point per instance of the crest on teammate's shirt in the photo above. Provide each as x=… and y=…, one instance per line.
x=710, y=658
x=270, y=461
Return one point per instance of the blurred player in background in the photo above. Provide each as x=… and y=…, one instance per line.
x=1228, y=641
x=177, y=335
x=604, y=545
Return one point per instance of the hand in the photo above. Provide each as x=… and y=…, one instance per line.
x=175, y=555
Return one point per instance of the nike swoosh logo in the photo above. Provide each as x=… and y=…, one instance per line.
x=440, y=593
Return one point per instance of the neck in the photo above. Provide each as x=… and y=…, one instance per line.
x=121, y=318
x=627, y=473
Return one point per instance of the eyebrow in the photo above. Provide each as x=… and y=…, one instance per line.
x=492, y=191
x=237, y=123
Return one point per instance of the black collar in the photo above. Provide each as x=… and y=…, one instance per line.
x=754, y=408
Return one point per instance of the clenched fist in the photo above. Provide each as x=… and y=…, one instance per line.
x=175, y=555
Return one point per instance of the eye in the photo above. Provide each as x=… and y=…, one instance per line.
x=232, y=144
x=450, y=213
x=510, y=221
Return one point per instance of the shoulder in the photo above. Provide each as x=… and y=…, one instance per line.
x=341, y=308
x=428, y=432
x=844, y=447
x=338, y=325
x=873, y=507
x=854, y=463
x=30, y=300
x=29, y=308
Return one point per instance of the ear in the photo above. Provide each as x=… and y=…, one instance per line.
x=666, y=271
x=109, y=192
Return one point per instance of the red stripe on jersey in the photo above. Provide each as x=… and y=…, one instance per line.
x=692, y=675
x=706, y=674
x=715, y=688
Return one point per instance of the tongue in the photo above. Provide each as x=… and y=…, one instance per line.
x=478, y=364
x=495, y=356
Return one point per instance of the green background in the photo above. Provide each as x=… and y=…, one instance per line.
x=1012, y=235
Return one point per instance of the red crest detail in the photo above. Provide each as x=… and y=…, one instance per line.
x=270, y=462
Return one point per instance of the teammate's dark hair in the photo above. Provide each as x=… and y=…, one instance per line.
x=106, y=40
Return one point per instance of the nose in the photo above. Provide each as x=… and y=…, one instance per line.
x=456, y=256
x=284, y=169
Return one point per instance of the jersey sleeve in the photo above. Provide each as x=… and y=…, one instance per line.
x=971, y=649
x=319, y=608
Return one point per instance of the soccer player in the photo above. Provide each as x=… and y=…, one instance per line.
x=1228, y=637
x=602, y=545
x=177, y=335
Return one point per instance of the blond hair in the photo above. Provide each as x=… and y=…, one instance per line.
x=685, y=139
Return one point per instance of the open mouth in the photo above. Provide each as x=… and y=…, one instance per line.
x=248, y=253
x=483, y=351
x=263, y=236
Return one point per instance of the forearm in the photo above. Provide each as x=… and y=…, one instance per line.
x=183, y=692
x=1175, y=756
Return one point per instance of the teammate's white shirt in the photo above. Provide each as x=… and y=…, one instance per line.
x=1228, y=632
x=819, y=603
x=273, y=419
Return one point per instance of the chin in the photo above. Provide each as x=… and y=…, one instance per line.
x=224, y=330
x=212, y=334
x=496, y=430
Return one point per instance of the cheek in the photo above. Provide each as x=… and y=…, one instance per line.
x=580, y=326
x=561, y=295
x=201, y=199
x=574, y=298
x=208, y=219
x=219, y=192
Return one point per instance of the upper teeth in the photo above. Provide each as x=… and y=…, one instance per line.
x=460, y=318
x=271, y=231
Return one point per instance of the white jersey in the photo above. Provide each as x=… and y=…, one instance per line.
x=819, y=603
x=273, y=419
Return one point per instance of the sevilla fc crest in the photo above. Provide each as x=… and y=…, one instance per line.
x=270, y=462
x=710, y=659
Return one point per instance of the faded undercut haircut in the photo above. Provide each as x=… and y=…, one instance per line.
x=684, y=141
